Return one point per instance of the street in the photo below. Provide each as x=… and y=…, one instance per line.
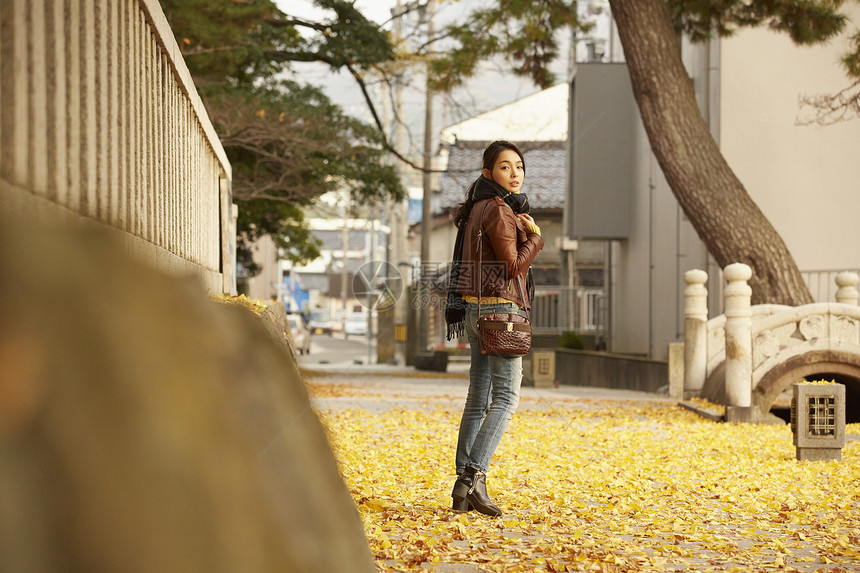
x=336, y=350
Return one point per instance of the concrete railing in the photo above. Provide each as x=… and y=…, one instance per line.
x=100, y=120
x=761, y=347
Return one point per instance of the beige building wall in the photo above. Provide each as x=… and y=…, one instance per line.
x=442, y=241
x=264, y=285
x=806, y=179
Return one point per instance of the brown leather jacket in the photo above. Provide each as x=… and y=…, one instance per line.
x=508, y=251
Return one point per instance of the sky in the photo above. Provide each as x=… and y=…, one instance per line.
x=494, y=87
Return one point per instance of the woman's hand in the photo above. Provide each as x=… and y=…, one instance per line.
x=530, y=224
x=526, y=218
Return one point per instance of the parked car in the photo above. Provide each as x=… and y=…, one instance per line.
x=320, y=323
x=355, y=324
x=300, y=333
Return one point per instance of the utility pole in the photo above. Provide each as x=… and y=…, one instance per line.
x=399, y=220
x=371, y=259
x=426, y=216
x=344, y=273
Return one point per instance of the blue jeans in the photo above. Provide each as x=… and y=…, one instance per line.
x=494, y=394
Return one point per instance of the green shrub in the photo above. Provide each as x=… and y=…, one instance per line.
x=572, y=340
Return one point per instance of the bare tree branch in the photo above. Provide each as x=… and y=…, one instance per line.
x=832, y=109
x=291, y=22
x=372, y=107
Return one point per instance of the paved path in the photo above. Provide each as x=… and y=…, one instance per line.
x=383, y=387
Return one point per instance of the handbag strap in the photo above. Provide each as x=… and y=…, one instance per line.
x=481, y=267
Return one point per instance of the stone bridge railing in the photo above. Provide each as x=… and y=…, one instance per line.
x=100, y=122
x=747, y=357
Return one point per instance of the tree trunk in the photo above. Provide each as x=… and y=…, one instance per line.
x=728, y=221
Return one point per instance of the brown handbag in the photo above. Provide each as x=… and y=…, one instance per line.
x=505, y=334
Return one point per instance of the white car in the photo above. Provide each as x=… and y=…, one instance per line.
x=355, y=324
x=320, y=323
x=300, y=334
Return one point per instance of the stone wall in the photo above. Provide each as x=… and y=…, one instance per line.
x=605, y=370
x=144, y=428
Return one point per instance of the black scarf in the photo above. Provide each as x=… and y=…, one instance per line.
x=455, y=307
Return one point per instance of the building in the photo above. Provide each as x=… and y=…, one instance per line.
x=804, y=178
x=345, y=246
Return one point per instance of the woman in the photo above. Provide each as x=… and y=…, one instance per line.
x=496, y=207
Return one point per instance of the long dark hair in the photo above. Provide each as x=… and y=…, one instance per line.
x=491, y=153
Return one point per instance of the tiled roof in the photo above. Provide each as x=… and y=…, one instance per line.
x=545, y=173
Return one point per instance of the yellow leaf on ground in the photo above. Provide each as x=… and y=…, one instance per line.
x=376, y=504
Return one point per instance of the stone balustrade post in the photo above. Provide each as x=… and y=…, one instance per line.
x=738, y=342
x=695, y=332
x=847, y=292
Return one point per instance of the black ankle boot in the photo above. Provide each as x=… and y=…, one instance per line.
x=461, y=492
x=477, y=493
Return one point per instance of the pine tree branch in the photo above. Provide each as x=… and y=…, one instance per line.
x=284, y=56
x=292, y=22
